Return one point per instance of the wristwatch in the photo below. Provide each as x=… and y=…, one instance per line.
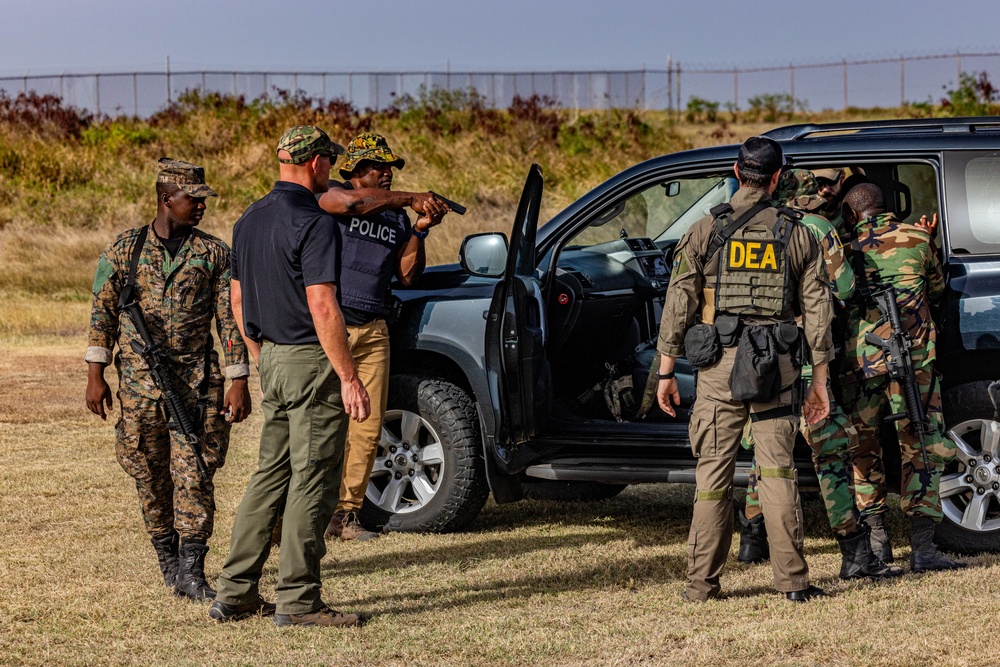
x=665, y=376
x=419, y=234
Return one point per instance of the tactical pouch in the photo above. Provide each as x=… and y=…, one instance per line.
x=701, y=345
x=729, y=329
x=755, y=377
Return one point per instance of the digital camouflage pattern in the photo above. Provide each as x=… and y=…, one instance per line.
x=179, y=297
x=303, y=142
x=831, y=439
x=188, y=177
x=897, y=254
x=369, y=146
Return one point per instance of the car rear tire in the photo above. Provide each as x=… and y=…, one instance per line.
x=970, y=485
x=550, y=489
x=429, y=474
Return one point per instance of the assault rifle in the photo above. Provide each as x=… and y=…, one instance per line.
x=899, y=364
x=453, y=205
x=150, y=351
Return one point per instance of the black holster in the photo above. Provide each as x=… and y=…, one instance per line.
x=755, y=377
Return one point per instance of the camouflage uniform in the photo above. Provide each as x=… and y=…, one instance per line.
x=179, y=297
x=897, y=254
x=831, y=439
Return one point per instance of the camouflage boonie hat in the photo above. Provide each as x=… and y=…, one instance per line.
x=188, y=177
x=795, y=183
x=303, y=142
x=369, y=146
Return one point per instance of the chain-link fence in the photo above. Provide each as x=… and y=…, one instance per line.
x=885, y=82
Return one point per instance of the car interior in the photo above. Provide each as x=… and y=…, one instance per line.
x=605, y=296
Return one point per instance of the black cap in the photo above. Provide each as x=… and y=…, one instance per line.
x=760, y=155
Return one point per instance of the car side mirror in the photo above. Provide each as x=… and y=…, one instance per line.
x=672, y=189
x=484, y=254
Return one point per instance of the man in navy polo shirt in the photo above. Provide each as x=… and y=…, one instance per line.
x=285, y=280
x=378, y=243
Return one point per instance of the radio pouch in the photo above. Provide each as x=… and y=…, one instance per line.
x=755, y=377
x=701, y=345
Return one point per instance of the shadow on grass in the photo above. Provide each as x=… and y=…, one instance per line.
x=625, y=574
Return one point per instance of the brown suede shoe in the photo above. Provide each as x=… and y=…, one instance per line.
x=324, y=617
x=346, y=526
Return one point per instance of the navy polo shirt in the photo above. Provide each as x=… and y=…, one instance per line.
x=283, y=243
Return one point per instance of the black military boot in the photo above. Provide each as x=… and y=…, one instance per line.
x=925, y=556
x=191, y=582
x=859, y=561
x=753, y=540
x=166, y=554
x=879, y=537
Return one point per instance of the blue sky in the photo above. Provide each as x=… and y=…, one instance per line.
x=64, y=36
x=53, y=36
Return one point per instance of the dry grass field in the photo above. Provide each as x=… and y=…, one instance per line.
x=533, y=583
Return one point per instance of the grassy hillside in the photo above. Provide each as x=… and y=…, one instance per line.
x=69, y=182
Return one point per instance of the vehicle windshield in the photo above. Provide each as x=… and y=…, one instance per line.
x=662, y=212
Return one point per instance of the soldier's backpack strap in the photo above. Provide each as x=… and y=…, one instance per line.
x=725, y=226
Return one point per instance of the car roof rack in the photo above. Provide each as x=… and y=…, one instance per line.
x=912, y=125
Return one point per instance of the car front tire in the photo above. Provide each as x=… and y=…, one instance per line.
x=429, y=474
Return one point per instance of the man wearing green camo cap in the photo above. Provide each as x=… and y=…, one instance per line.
x=832, y=438
x=379, y=243
x=303, y=142
x=181, y=277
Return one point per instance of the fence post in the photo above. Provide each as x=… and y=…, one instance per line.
x=642, y=88
x=97, y=92
x=234, y=84
x=791, y=73
x=670, y=85
x=169, y=94
x=736, y=89
x=203, y=83
x=678, y=90
x=902, y=81
x=135, y=96
x=265, y=83
x=845, y=85
x=61, y=94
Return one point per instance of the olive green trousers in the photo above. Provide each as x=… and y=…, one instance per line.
x=301, y=453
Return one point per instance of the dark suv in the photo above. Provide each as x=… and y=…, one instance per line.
x=499, y=364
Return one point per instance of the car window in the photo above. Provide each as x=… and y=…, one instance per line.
x=663, y=211
x=982, y=191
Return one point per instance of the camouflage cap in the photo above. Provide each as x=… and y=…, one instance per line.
x=369, y=146
x=188, y=177
x=795, y=183
x=303, y=142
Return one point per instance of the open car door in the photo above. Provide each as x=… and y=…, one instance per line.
x=516, y=331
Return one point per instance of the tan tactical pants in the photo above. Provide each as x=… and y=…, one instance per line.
x=716, y=430
x=369, y=345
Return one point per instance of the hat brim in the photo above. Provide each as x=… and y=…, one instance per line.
x=197, y=190
x=352, y=163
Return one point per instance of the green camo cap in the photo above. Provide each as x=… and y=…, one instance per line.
x=369, y=146
x=188, y=177
x=303, y=142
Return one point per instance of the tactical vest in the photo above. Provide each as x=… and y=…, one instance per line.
x=753, y=276
x=369, y=259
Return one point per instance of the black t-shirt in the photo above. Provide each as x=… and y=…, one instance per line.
x=173, y=245
x=283, y=243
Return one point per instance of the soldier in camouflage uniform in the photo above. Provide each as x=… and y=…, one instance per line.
x=894, y=253
x=181, y=283
x=831, y=439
